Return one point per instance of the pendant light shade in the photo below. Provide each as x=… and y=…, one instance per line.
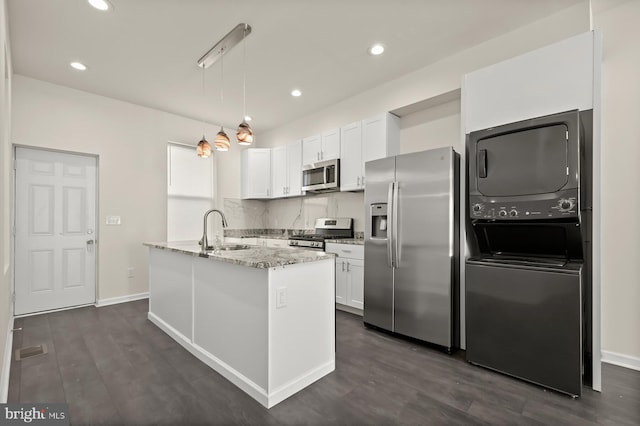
x=244, y=135
x=222, y=141
x=203, y=149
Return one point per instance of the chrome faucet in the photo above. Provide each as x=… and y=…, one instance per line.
x=204, y=241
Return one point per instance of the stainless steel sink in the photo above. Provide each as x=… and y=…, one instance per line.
x=229, y=247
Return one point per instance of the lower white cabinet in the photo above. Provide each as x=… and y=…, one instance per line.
x=349, y=274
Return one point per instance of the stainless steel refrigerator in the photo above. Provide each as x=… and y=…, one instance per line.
x=411, y=254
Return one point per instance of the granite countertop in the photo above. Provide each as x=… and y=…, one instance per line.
x=353, y=241
x=254, y=256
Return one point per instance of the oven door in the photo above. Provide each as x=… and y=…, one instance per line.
x=321, y=176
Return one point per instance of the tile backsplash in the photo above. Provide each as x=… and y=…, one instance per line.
x=295, y=213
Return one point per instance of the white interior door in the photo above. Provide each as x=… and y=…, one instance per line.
x=55, y=222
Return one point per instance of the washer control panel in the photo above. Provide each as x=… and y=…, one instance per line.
x=565, y=206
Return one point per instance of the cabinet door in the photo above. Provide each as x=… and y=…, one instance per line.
x=355, y=283
x=330, y=145
x=311, y=148
x=256, y=173
x=380, y=136
x=294, y=165
x=279, y=171
x=341, y=281
x=351, y=169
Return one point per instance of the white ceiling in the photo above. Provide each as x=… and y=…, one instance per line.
x=145, y=51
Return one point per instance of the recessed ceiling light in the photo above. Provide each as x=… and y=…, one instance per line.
x=376, y=49
x=78, y=66
x=296, y=93
x=247, y=118
x=100, y=4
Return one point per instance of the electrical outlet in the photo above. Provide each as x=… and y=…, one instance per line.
x=131, y=272
x=281, y=297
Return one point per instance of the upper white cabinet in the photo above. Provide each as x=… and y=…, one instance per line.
x=330, y=145
x=321, y=147
x=366, y=140
x=256, y=173
x=279, y=171
x=545, y=81
x=294, y=167
x=351, y=172
x=286, y=170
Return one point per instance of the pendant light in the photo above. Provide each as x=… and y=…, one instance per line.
x=203, y=149
x=244, y=135
x=221, y=141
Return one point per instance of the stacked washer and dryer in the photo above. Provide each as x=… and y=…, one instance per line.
x=528, y=277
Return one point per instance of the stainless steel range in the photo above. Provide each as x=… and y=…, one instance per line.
x=326, y=228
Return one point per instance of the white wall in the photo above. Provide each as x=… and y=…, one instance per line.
x=131, y=142
x=6, y=307
x=620, y=227
x=430, y=128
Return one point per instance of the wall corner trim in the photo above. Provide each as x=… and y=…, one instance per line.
x=621, y=360
x=121, y=299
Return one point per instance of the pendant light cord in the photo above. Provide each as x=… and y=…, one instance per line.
x=222, y=77
x=204, y=99
x=244, y=73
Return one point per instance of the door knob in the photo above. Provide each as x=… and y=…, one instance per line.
x=90, y=245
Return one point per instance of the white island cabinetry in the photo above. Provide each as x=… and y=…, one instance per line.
x=264, y=323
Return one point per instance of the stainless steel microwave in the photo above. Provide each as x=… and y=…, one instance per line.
x=323, y=176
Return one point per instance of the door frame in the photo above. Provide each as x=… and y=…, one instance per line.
x=13, y=207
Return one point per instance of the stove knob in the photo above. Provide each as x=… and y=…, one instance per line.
x=513, y=213
x=477, y=207
x=503, y=213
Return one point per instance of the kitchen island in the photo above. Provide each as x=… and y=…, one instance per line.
x=261, y=317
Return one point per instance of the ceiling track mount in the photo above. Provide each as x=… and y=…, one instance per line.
x=225, y=44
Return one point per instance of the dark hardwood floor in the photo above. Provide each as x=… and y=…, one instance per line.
x=112, y=366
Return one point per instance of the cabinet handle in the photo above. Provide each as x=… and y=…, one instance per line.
x=318, y=155
x=345, y=251
x=343, y=266
x=321, y=155
x=347, y=266
x=358, y=184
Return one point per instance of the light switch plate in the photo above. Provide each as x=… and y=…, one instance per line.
x=281, y=297
x=113, y=220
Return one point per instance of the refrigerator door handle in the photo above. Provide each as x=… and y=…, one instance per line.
x=390, y=226
x=396, y=246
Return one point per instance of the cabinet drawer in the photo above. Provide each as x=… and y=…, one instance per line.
x=351, y=251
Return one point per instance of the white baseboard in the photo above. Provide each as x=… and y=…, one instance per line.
x=121, y=299
x=6, y=364
x=621, y=360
